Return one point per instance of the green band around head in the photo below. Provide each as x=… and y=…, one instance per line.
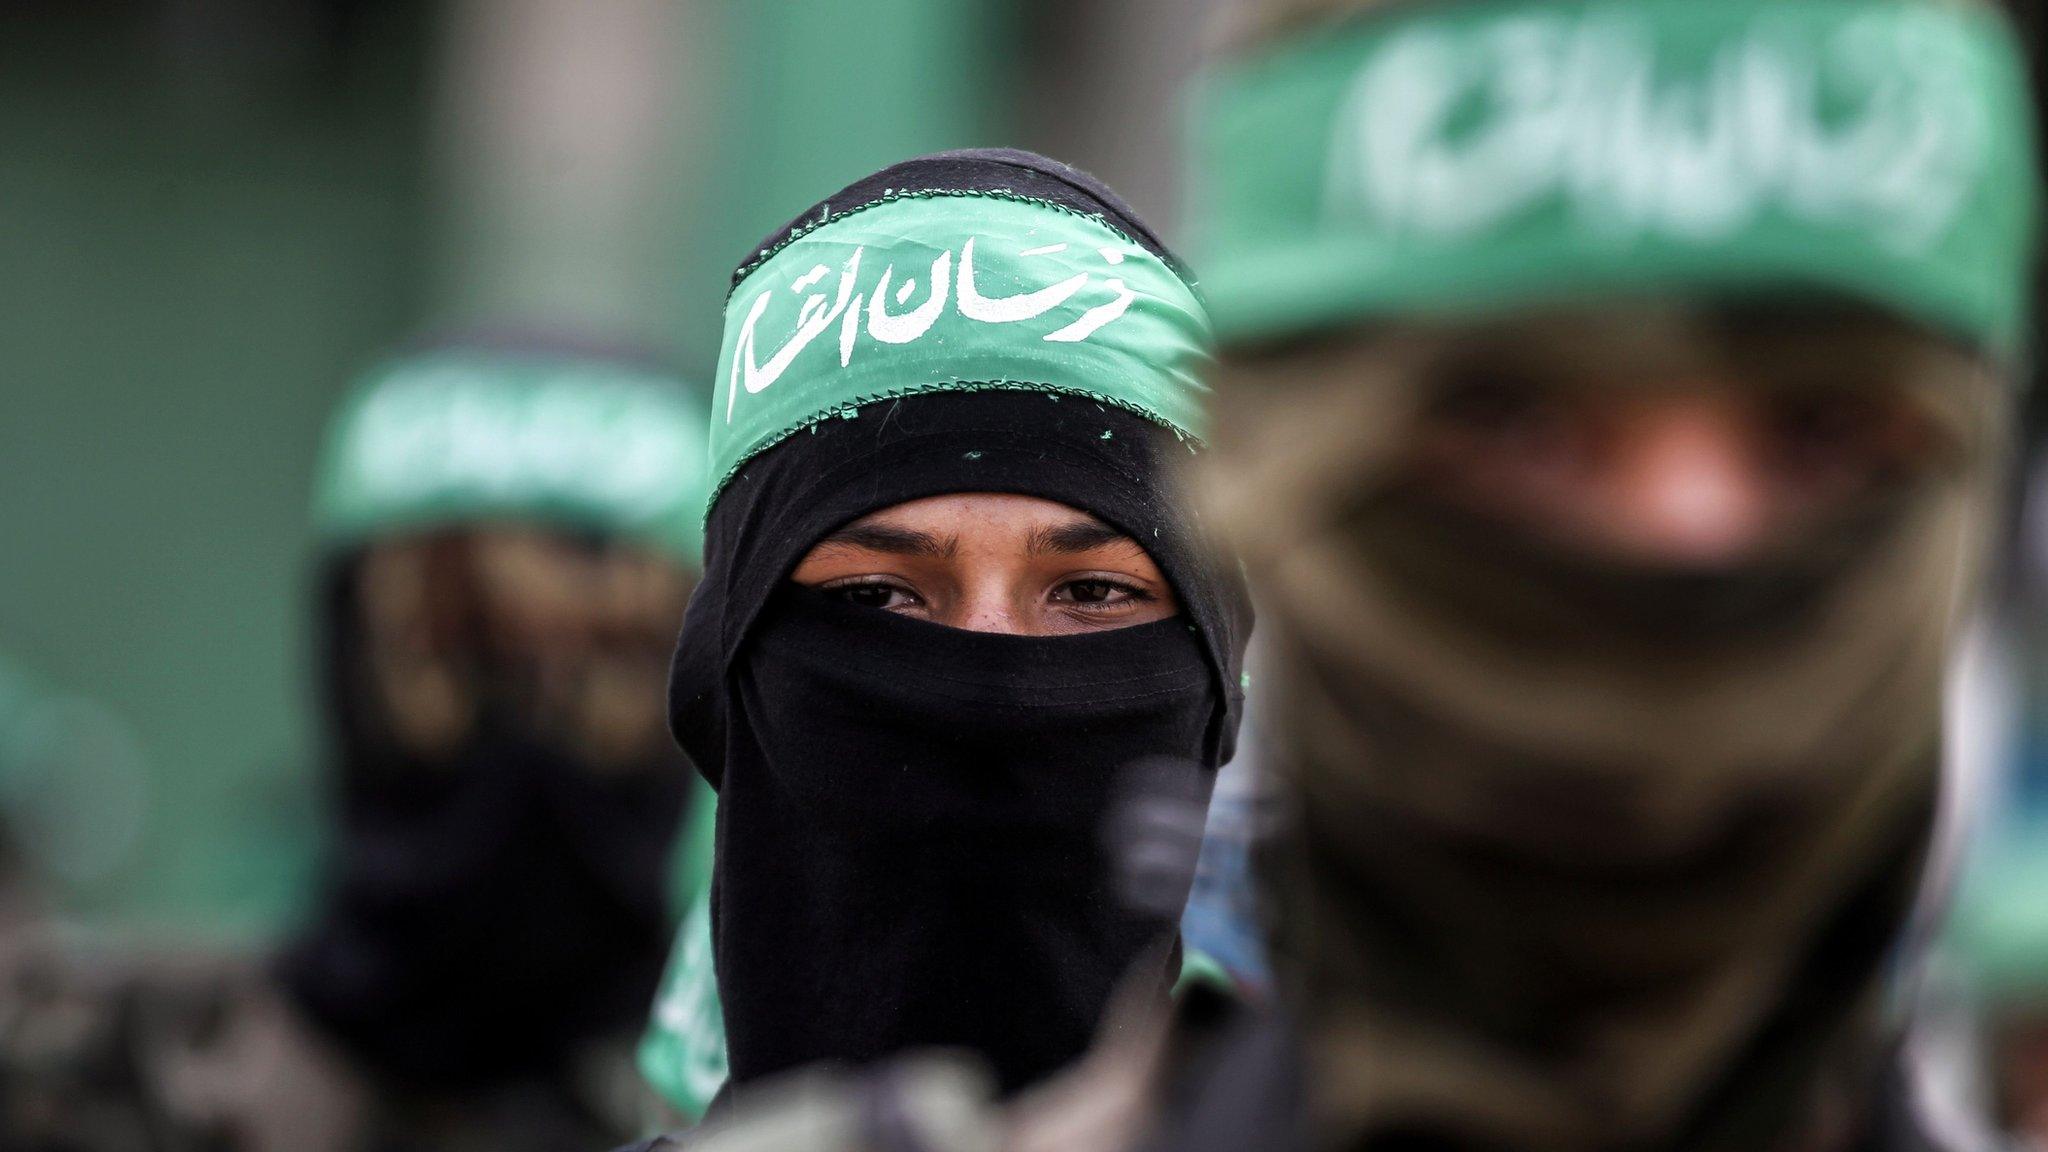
x=467, y=437
x=952, y=292
x=1487, y=156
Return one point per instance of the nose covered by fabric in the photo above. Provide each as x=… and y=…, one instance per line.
x=936, y=799
x=990, y=739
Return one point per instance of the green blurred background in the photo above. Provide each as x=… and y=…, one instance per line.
x=214, y=212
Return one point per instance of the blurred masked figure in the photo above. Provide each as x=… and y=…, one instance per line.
x=1615, y=402
x=509, y=535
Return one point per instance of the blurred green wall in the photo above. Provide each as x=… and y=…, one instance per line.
x=199, y=240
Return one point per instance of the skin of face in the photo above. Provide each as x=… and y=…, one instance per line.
x=584, y=625
x=988, y=562
x=1660, y=438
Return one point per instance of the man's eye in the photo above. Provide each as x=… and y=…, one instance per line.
x=1504, y=414
x=1492, y=403
x=873, y=594
x=1836, y=433
x=1096, y=592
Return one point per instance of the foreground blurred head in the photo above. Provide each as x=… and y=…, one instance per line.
x=947, y=604
x=511, y=532
x=1613, y=408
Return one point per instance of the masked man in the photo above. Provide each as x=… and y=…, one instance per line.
x=509, y=533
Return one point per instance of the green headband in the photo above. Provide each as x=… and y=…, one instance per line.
x=465, y=437
x=952, y=292
x=1491, y=155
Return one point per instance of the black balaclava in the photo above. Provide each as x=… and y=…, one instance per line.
x=911, y=846
x=490, y=660
x=486, y=909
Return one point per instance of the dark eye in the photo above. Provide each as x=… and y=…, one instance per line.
x=1826, y=432
x=1097, y=592
x=1498, y=408
x=1092, y=591
x=872, y=594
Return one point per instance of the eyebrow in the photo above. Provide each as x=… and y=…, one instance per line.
x=893, y=541
x=1078, y=536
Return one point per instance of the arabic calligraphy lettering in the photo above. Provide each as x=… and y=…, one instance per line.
x=949, y=281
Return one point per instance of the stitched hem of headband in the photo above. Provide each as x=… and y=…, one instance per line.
x=459, y=438
x=745, y=270
x=990, y=291
x=1487, y=156
x=851, y=411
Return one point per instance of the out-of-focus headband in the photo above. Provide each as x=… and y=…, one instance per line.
x=1477, y=157
x=466, y=437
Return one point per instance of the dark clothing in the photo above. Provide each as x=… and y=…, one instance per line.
x=208, y=1054
x=1239, y=1084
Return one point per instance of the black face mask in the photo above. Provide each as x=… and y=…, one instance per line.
x=921, y=810
x=470, y=932
x=488, y=911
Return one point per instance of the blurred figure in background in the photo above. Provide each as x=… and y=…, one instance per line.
x=510, y=533
x=526, y=523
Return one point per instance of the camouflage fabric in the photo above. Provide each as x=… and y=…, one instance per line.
x=201, y=1053
x=1707, y=828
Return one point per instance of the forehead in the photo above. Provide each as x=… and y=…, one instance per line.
x=1764, y=343
x=998, y=524
x=1658, y=335
x=999, y=507
x=510, y=562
